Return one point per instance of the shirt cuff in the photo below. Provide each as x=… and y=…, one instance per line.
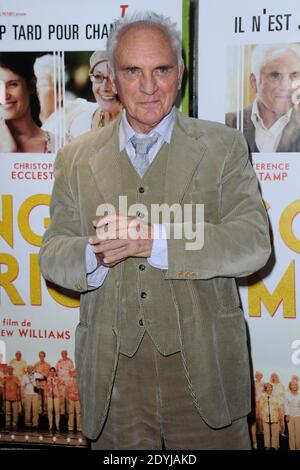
x=95, y=274
x=159, y=253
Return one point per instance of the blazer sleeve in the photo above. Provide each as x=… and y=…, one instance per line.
x=62, y=256
x=239, y=244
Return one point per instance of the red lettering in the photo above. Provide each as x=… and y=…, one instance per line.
x=123, y=10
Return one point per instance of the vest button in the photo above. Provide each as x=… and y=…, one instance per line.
x=141, y=323
x=141, y=189
x=143, y=295
x=142, y=267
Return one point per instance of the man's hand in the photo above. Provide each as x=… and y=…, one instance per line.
x=119, y=237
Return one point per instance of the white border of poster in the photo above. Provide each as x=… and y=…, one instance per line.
x=35, y=317
x=228, y=33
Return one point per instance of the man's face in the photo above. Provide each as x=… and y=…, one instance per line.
x=18, y=355
x=258, y=376
x=274, y=90
x=274, y=379
x=42, y=357
x=146, y=76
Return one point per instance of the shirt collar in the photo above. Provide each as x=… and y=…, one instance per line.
x=257, y=120
x=164, y=128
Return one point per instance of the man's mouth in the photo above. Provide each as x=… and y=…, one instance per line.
x=149, y=103
x=283, y=96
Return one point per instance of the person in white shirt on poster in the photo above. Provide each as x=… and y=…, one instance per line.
x=31, y=396
x=272, y=122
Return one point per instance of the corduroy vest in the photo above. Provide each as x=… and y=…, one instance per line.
x=146, y=303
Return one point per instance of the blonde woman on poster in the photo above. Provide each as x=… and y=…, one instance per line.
x=107, y=106
x=20, y=129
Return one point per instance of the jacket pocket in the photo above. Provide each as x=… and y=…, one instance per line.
x=230, y=312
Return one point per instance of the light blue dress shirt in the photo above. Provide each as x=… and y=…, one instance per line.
x=159, y=254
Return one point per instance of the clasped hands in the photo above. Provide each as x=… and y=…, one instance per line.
x=119, y=237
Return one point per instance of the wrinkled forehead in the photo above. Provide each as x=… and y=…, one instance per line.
x=146, y=39
x=282, y=62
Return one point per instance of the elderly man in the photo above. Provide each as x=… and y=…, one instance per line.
x=272, y=123
x=12, y=396
x=31, y=397
x=19, y=365
x=161, y=350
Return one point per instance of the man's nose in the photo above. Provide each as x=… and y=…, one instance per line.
x=148, y=83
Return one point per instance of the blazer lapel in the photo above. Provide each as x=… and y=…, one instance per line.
x=104, y=164
x=185, y=154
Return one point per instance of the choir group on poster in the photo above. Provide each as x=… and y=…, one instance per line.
x=39, y=396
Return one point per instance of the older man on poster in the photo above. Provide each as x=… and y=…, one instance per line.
x=161, y=349
x=272, y=122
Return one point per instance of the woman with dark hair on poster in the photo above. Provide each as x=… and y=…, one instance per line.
x=19, y=107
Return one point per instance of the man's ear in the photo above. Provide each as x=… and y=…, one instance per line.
x=112, y=79
x=180, y=76
x=253, y=82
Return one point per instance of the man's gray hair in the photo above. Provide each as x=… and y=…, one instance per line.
x=265, y=53
x=161, y=22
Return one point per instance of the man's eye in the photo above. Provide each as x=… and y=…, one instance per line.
x=275, y=75
x=13, y=84
x=132, y=70
x=163, y=69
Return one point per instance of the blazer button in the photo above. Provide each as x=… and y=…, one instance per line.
x=144, y=295
x=142, y=267
x=141, y=323
x=141, y=190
